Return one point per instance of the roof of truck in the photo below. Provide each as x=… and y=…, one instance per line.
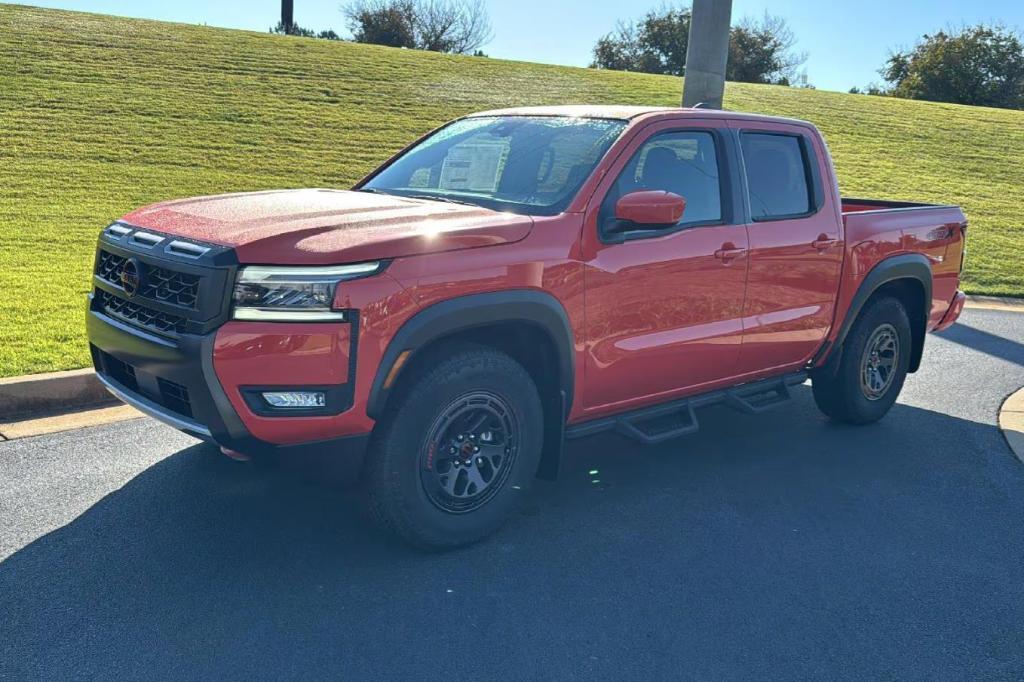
x=626, y=113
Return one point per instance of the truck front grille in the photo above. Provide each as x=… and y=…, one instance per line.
x=161, y=284
x=157, y=283
x=140, y=315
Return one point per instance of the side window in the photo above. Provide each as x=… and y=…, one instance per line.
x=684, y=163
x=777, y=175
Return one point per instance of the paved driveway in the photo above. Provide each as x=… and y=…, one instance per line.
x=772, y=545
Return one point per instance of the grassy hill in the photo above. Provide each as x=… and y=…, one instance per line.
x=99, y=115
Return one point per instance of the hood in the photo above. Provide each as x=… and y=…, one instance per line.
x=325, y=227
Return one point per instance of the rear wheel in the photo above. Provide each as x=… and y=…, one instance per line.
x=873, y=366
x=451, y=458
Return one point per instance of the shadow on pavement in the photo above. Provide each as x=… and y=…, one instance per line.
x=985, y=342
x=773, y=544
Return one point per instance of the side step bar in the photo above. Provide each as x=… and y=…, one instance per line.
x=659, y=423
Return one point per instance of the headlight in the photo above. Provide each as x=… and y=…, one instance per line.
x=303, y=294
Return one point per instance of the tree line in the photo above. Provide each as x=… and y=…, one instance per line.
x=977, y=65
x=451, y=26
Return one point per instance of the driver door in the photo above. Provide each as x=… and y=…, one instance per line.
x=664, y=307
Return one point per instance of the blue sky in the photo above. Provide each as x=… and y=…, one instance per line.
x=846, y=42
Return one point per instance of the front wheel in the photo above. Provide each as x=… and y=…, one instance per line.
x=452, y=457
x=873, y=366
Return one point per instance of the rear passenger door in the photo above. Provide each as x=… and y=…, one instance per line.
x=795, y=251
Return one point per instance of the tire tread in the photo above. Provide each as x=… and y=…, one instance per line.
x=388, y=503
x=839, y=395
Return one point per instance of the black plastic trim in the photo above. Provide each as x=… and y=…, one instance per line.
x=738, y=397
x=478, y=310
x=892, y=205
x=554, y=443
x=912, y=266
x=154, y=410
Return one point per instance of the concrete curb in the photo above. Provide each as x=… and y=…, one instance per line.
x=68, y=421
x=50, y=393
x=996, y=303
x=1011, y=421
x=37, y=394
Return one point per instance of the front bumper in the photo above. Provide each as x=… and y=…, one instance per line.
x=175, y=381
x=155, y=410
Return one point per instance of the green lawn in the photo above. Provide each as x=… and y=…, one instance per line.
x=99, y=115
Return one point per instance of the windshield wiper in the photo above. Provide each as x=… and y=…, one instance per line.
x=447, y=200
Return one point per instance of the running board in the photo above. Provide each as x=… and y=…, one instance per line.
x=659, y=423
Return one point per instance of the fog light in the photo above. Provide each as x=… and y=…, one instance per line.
x=295, y=399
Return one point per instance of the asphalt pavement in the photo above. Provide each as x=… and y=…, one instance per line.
x=776, y=545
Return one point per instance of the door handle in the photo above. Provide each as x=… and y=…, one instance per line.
x=728, y=252
x=824, y=242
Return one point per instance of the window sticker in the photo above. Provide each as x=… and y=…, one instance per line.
x=474, y=165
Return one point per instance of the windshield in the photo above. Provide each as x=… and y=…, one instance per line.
x=530, y=165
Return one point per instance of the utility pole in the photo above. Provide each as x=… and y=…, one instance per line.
x=707, y=53
x=288, y=16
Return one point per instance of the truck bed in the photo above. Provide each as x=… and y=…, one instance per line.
x=853, y=205
x=875, y=229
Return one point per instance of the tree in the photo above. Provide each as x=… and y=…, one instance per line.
x=620, y=51
x=980, y=65
x=383, y=22
x=654, y=44
x=453, y=26
x=762, y=52
x=759, y=51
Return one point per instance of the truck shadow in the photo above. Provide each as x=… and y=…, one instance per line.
x=985, y=342
x=202, y=567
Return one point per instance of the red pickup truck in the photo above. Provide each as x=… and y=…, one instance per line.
x=513, y=279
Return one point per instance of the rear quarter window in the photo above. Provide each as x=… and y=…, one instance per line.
x=778, y=180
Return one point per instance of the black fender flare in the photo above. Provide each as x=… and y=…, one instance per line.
x=464, y=313
x=912, y=266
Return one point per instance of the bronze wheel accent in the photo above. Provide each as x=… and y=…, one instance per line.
x=879, y=362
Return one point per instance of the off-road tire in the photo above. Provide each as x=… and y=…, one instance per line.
x=840, y=392
x=398, y=498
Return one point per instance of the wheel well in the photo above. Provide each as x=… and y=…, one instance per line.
x=530, y=346
x=911, y=293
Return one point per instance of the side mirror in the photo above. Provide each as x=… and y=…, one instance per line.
x=650, y=207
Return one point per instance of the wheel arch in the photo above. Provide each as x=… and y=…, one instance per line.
x=907, y=277
x=530, y=326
